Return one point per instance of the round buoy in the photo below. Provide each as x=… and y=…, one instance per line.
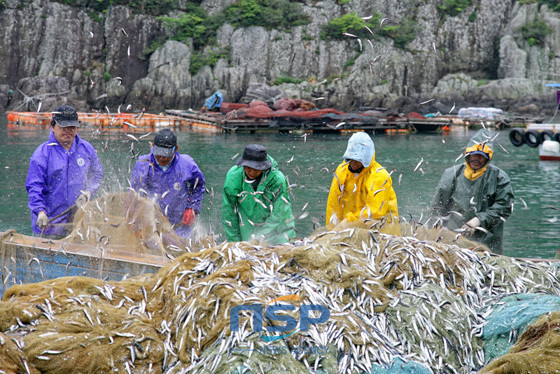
x=551, y=146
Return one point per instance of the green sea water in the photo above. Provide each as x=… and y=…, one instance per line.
x=531, y=231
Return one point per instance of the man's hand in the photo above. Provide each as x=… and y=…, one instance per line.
x=42, y=220
x=83, y=198
x=188, y=217
x=470, y=227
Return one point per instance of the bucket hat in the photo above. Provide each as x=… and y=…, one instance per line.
x=164, y=143
x=65, y=116
x=254, y=156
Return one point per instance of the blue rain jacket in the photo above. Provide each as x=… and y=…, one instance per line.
x=178, y=188
x=57, y=176
x=214, y=101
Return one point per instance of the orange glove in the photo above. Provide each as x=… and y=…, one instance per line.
x=188, y=217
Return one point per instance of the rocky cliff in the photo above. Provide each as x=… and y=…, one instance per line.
x=53, y=53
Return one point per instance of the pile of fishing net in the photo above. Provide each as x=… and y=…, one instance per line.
x=395, y=303
x=131, y=222
x=259, y=109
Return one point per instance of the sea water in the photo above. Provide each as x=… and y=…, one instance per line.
x=308, y=162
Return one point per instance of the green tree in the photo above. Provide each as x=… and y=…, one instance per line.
x=271, y=14
x=535, y=32
x=349, y=23
x=454, y=7
x=553, y=5
x=401, y=33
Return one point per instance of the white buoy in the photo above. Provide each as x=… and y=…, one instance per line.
x=551, y=146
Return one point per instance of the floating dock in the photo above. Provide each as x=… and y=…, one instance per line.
x=323, y=124
x=298, y=122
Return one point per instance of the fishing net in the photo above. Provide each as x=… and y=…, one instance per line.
x=121, y=220
x=390, y=298
x=536, y=351
x=512, y=317
x=259, y=109
x=128, y=221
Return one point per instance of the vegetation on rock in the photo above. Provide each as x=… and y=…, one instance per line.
x=401, y=33
x=453, y=7
x=196, y=25
x=535, y=32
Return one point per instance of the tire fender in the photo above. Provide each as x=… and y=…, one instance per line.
x=545, y=135
x=532, y=138
x=517, y=137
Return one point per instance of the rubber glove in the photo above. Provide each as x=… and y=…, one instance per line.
x=83, y=198
x=42, y=220
x=188, y=217
x=470, y=226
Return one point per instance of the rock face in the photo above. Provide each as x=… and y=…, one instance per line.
x=54, y=53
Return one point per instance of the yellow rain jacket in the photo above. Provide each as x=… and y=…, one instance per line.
x=368, y=194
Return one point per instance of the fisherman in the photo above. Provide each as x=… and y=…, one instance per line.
x=256, y=200
x=63, y=174
x=361, y=187
x=475, y=198
x=171, y=179
x=213, y=103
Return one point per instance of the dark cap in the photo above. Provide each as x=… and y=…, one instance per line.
x=164, y=143
x=254, y=156
x=478, y=153
x=65, y=116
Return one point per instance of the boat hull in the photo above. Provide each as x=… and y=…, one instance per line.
x=28, y=259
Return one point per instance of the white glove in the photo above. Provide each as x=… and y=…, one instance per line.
x=42, y=220
x=83, y=198
x=470, y=227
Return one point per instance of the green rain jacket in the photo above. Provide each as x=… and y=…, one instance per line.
x=265, y=213
x=489, y=197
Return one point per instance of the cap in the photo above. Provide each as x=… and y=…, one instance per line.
x=255, y=157
x=65, y=116
x=478, y=153
x=164, y=143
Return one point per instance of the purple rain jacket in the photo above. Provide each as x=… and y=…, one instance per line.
x=178, y=188
x=57, y=176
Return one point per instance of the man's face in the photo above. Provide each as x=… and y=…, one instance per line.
x=355, y=165
x=477, y=161
x=65, y=135
x=252, y=173
x=163, y=161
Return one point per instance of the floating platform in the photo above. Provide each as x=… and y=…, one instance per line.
x=119, y=121
x=320, y=121
x=327, y=123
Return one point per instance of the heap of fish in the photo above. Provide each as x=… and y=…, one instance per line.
x=390, y=298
